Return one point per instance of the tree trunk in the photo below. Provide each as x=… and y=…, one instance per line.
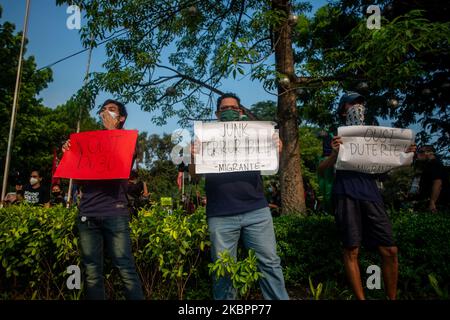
x=291, y=181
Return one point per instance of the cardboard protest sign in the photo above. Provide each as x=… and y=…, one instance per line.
x=98, y=155
x=233, y=146
x=372, y=149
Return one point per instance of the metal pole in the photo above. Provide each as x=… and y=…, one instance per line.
x=69, y=192
x=14, y=106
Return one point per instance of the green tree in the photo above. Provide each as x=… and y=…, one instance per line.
x=212, y=40
x=265, y=110
x=32, y=141
x=160, y=173
x=38, y=129
x=315, y=59
x=403, y=68
x=141, y=148
x=69, y=113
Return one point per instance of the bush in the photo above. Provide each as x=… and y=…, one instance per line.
x=311, y=247
x=424, y=249
x=37, y=245
x=168, y=249
x=308, y=247
x=243, y=274
x=172, y=255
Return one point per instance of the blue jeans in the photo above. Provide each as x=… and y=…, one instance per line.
x=113, y=234
x=256, y=228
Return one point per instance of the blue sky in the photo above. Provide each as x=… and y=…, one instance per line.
x=50, y=40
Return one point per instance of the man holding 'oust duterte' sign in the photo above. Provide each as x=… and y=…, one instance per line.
x=359, y=154
x=103, y=222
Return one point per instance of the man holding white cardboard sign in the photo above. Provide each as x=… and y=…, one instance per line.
x=359, y=153
x=231, y=154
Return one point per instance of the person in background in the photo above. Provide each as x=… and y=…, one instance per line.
x=57, y=196
x=433, y=181
x=203, y=201
x=137, y=193
x=274, y=200
x=19, y=197
x=35, y=193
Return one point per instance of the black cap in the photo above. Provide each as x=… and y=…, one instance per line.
x=349, y=96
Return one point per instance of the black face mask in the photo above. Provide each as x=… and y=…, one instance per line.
x=422, y=164
x=56, y=194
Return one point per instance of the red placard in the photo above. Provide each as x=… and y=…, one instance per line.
x=98, y=155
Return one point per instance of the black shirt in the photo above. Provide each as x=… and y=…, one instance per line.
x=104, y=198
x=234, y=193
x=434, y=170
x=38, y=196
x=135, y=190
x=354, y=184
x=275, y=199
x=58, y=200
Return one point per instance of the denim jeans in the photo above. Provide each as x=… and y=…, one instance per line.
x=113, y=234
x=256, y=229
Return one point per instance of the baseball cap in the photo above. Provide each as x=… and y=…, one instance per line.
x=349, y=96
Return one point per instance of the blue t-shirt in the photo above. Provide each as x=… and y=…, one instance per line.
x=357, y=185
x=353, y=184
x=104, y=198
x=234, y=193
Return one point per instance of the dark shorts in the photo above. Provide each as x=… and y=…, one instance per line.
x=362, y=222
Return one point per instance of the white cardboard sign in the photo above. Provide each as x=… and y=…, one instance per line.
x=373, y=149
x=234, y=146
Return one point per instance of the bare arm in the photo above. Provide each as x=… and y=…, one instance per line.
x=145, y=193
x=435, y=192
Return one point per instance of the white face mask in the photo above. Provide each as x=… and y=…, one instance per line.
x=355, y=115
x=33, y=181
x=113, y=115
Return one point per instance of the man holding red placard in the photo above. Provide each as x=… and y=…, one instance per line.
x=103, y=221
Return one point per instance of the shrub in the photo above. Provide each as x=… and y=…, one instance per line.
x=168, y=247
x=424, y=248
x=311, y=247
x=36, y=247
x=172, y=255
x=308, y=247
x=243, y=273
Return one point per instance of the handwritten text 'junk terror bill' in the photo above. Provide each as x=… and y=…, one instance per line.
x=236, y=146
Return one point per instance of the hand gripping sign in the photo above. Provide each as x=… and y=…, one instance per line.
x=98, y=155
x=372, y=149
x=233, y=146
